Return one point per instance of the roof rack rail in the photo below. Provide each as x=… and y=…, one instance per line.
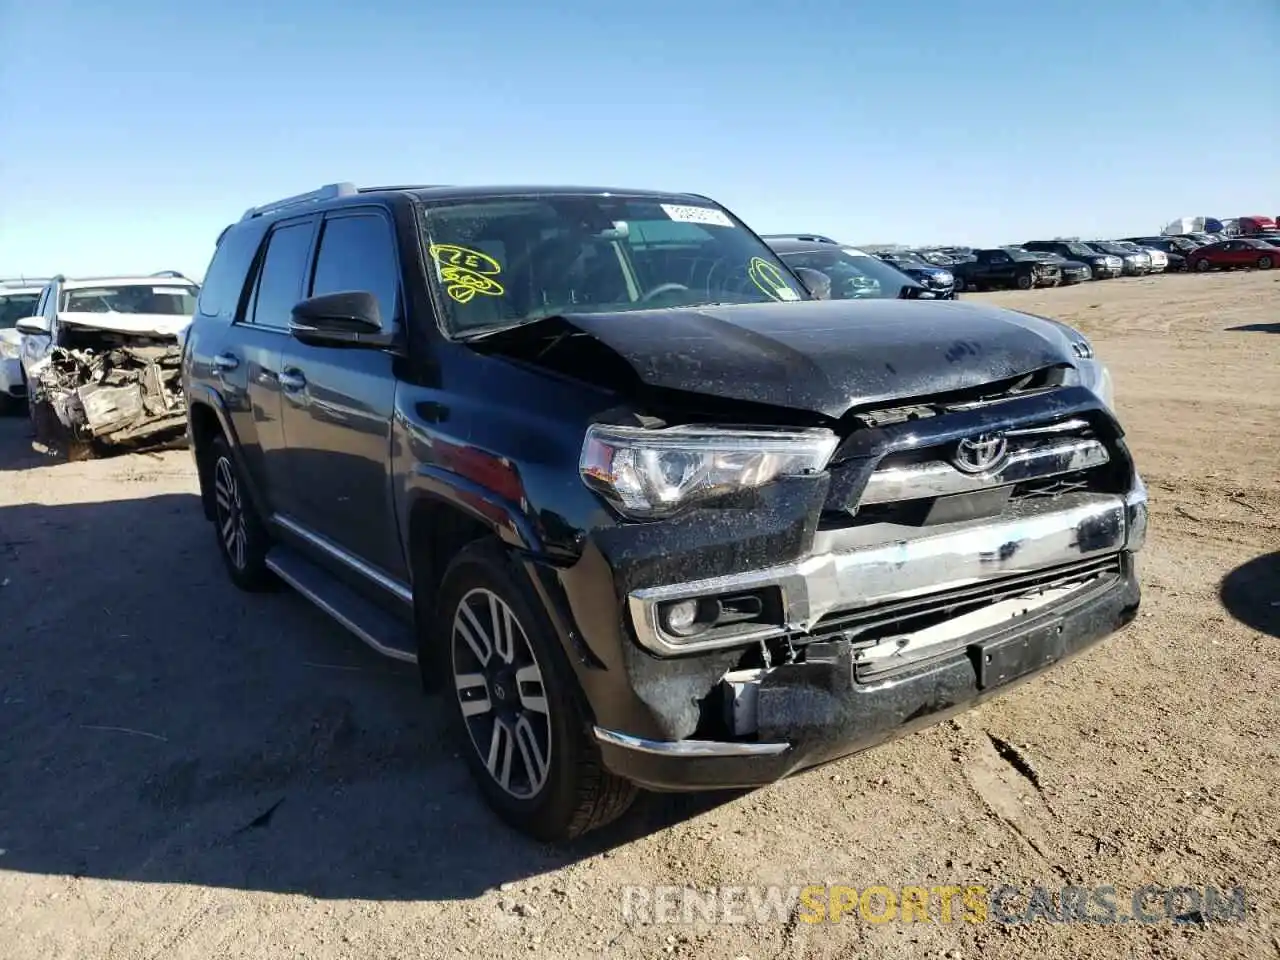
x=810, y=237
x=330, y=191
x=177, y=275
x=399, y=186
x=21, y=281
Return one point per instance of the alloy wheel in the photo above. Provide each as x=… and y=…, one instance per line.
x=501, y=693
x=230, y=512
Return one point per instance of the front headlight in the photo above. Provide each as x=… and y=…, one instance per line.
x=9, y=351
x=649, y=474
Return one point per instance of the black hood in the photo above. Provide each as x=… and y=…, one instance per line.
x=824, y=356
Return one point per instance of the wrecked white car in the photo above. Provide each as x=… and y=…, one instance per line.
x=102, y=362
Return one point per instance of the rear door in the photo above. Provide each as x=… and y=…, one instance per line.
x=338, y=401
x=247, y=363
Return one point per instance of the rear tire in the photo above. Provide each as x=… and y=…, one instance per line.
x=518, y=712
x=242, y=537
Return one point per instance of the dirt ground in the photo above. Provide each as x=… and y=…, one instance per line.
x=190, y=772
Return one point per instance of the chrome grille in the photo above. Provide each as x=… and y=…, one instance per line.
x=1034, y=453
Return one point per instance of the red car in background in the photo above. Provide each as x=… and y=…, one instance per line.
x=1240, y=252
x=1251, y=225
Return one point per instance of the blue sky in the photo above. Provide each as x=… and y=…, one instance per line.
x=131, y=132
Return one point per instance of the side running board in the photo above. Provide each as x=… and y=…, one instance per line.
x=386, y=633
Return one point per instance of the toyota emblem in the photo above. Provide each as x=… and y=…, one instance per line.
x=981, y=453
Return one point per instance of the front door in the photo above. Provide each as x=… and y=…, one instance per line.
x=338, y=402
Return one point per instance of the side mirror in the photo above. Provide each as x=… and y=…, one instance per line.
x=33, y=326
x=345, y=319
x=815, y=281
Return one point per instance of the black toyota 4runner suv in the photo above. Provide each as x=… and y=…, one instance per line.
x=646, y=510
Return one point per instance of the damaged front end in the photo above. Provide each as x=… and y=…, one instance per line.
x=921, y=587
x=109, y=390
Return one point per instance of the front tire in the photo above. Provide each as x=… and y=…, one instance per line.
x=1025, y=281
x=242, y=538
x=1203, y=265
x=1265, y=263
x=519, y=715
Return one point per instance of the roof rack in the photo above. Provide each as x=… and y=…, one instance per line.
x=24, y=281
x=809, y=237
x=399, y=186
x=330, y=191
x=175, y=274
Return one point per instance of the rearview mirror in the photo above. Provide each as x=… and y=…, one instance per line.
x=33, y=326
x=815, y=281
x=349, y=318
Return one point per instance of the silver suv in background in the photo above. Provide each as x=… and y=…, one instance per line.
x=18, y=299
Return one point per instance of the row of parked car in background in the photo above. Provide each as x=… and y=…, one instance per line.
x=944, y=272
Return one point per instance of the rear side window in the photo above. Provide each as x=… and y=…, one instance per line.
x=225, y=278
x=357, y=252
x=280, y=280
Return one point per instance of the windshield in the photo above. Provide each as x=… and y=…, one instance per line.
x=15, y=307
x=168, y=300
x=1079, y=249
x=1112, y=248
x=854, y=274
x=507, y=261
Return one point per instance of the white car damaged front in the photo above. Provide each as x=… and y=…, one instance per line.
x=108, y=373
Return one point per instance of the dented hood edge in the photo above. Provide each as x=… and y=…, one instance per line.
x=822, y=357
x=143, y=324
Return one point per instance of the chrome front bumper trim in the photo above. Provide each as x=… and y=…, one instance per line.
x=937, y=478
x=846, y=576
x=689, y=748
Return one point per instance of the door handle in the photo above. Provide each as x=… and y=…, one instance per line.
x=292, y=380
x=223, y=362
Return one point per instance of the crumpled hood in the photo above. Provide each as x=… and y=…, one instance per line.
x=826, y=356
x=10, y=335
x=143, y=324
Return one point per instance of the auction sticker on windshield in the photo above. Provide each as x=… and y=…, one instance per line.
x=705, y=215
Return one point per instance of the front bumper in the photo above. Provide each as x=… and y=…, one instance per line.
x=824, y=712
x=834, y=701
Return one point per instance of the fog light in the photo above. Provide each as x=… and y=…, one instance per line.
x=681, y=618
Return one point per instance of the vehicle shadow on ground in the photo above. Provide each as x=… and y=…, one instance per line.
x=1257, y=328
x=16, y=449
x=158, y=725
x=1251, y=593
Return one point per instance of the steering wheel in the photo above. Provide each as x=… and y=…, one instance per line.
x=661, y=288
